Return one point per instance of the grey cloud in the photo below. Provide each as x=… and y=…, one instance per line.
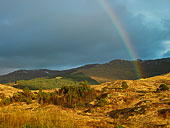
x=59, y=34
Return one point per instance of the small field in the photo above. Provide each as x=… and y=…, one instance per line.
x=52, y=83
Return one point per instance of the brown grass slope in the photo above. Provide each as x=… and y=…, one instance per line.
x=138, y=106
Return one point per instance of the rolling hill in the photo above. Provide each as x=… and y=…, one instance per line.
x=32, y=74
x=111, y=71
x=124, y=69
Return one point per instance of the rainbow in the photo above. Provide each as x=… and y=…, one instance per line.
x=124, y=36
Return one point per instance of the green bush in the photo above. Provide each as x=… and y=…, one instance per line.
x=6, y=101
x=68, y=96
x=28, y=126
x=102, y=102
x=46, y=98
x=162, y=87
x=19, y=97
x=120, y=126
x=25, y=96
x=124, y=85
x=29, y=100
x=76, y=96
x=90, y=110
x=104, y=89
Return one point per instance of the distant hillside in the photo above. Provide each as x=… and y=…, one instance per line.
x=114, y=70
x=26, y=75
x=124, y=70
x=151, y=68
x=31, y=74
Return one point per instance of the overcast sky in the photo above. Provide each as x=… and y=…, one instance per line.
x=61, y=34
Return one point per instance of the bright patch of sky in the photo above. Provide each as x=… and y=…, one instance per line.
x=166, y=48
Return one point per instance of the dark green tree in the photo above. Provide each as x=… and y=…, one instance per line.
x=163, y=87
x=124, y=85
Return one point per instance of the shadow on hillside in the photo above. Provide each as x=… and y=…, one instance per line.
x=126, y=112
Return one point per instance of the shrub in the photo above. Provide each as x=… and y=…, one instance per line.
x=46, y=98
x=102, y=102
x=19, y=97
x=25, y=96
x=120, y=126
x=124, y=85
x=76, y=96
x=28, y=126
x=28, y=95
x=163, y=87
x=104, y=89
x=2, y=95
x=68, y=96
x=90, y=110
x=6, y=101
x=29, y=100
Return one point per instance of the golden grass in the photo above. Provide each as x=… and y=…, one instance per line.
x=20, y=115
x=42, y=118
x=8, y=90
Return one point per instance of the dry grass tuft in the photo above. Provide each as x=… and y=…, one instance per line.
x=43, y=118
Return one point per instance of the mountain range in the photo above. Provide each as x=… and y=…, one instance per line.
x=111, y=71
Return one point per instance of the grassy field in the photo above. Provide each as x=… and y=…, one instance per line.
x=80, y=77
x=52, y=83
x=142, y=103
x=49, y=110
x=44, y=83
x=44, y=117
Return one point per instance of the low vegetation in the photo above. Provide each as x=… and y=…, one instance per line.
x=102, y=102
x=124, y=85
x=52, y=83
x=80, y=77
x=44, y=83
x=163, y=87
x=120, y=126
x=67, y=96
x=25, y=96
x=119, y=104
x=42, y=118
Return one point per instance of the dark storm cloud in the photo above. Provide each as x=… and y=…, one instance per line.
x=63, y=34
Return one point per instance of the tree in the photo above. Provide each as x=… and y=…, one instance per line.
x=124, y=85
x=163, y=87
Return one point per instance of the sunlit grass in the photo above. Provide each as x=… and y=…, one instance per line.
x=42, y=118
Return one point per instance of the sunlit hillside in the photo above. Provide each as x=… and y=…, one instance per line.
x=123, y=103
